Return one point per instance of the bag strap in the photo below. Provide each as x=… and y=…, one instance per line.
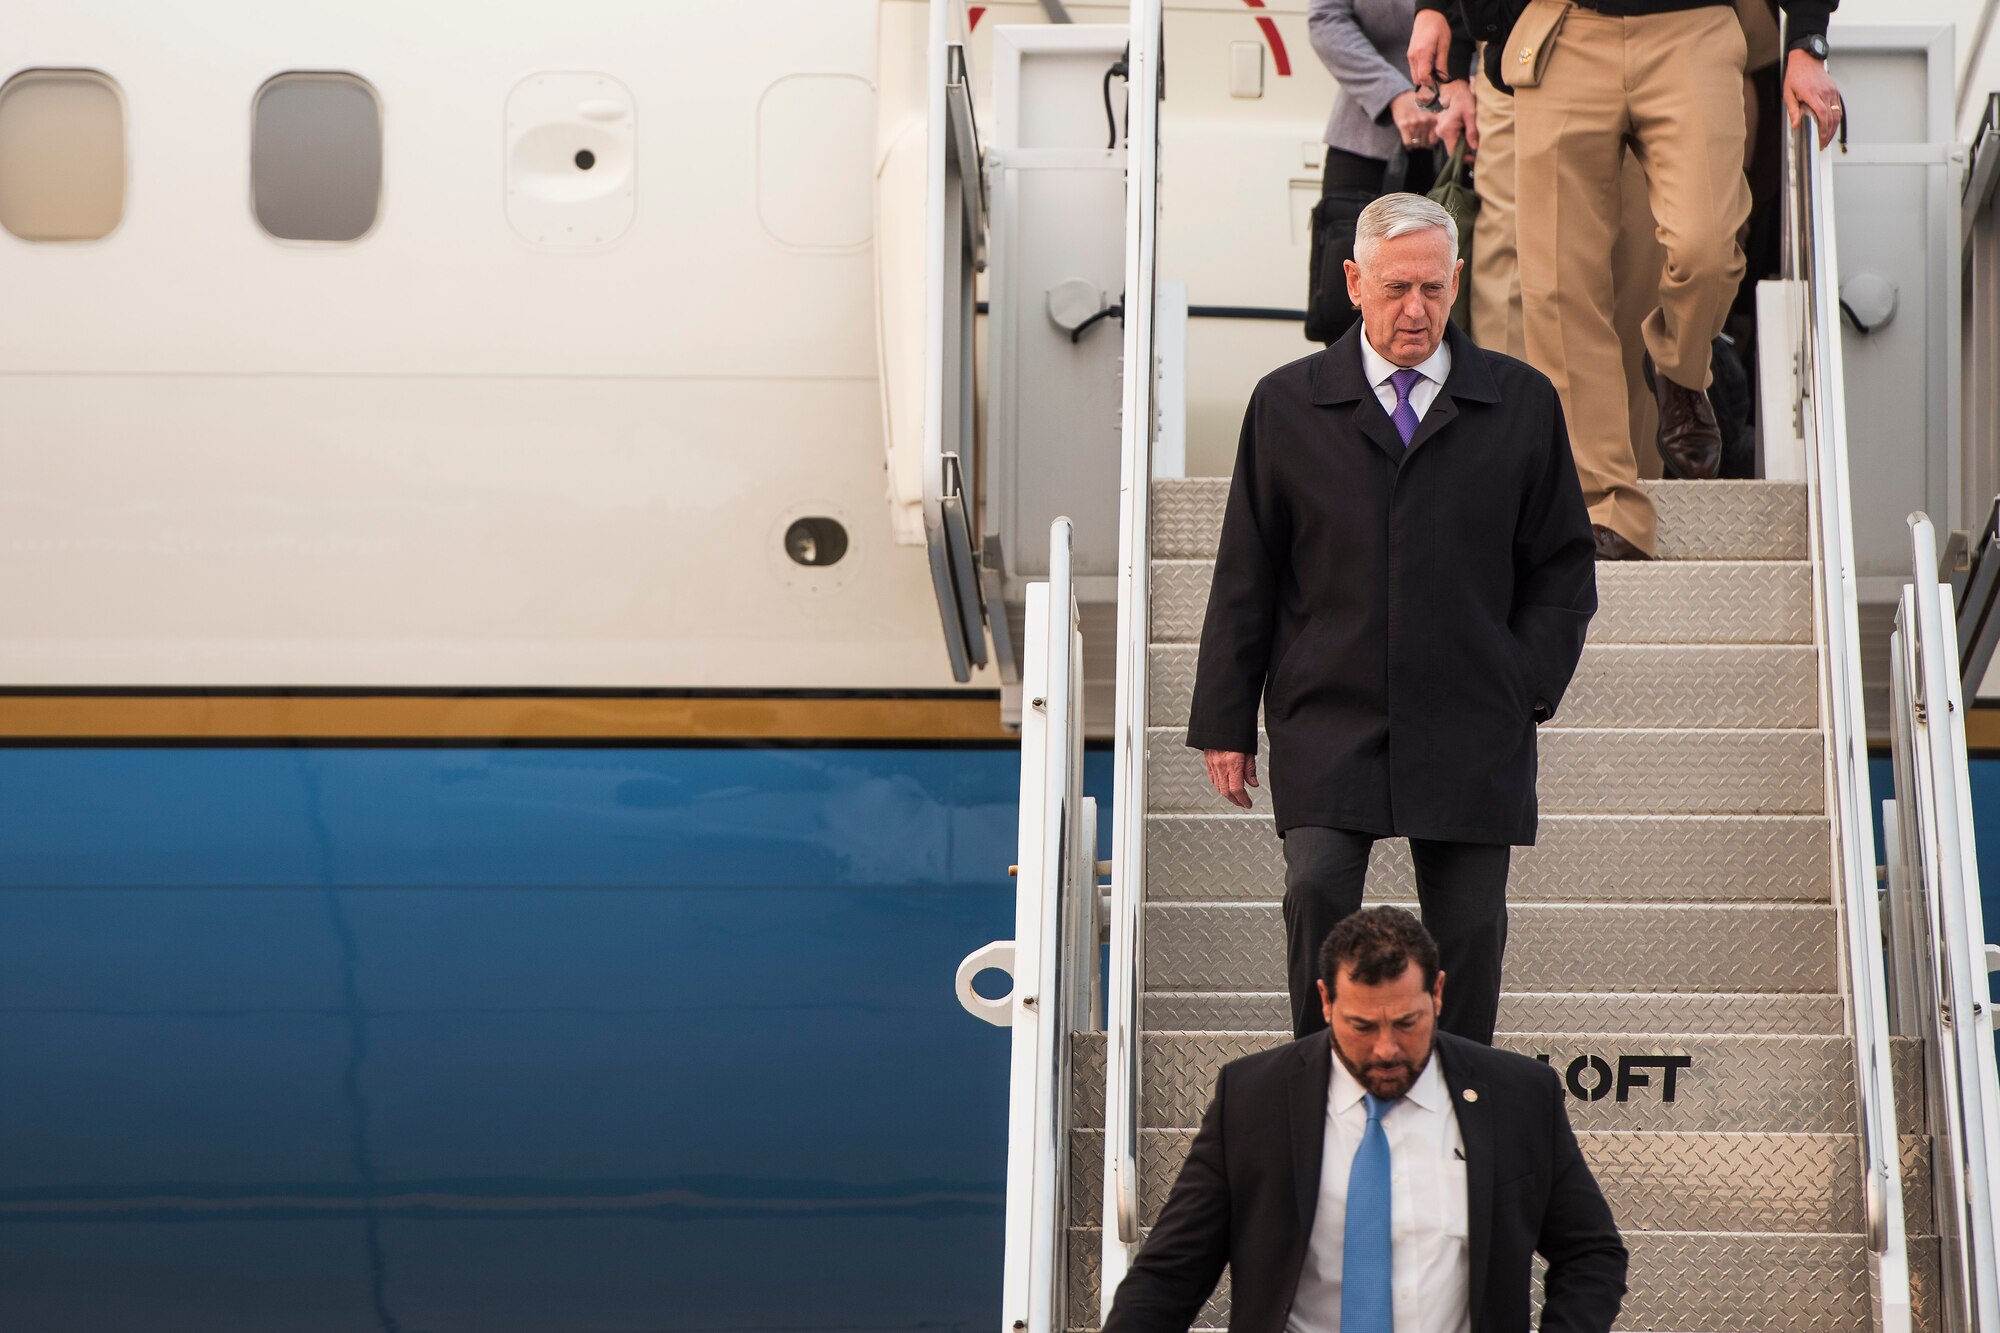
x=1454, y=170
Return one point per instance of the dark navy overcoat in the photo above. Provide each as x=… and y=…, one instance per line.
x=1406, y=616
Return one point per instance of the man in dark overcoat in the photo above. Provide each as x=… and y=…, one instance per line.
x=1404, y=580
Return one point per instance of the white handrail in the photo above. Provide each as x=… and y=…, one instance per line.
x=1811, y=262
x=1053, y=955
x=1128, y=823
x=1937, y=892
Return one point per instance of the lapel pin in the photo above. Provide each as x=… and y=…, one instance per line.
x=1470, y=1094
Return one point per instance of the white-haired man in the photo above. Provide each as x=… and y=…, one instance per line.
x=1404, y=579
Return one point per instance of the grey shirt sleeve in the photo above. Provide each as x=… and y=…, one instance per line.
x=1365, y=74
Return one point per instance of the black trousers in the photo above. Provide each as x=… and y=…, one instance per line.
x=1461, y=888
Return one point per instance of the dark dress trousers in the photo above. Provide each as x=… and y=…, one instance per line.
x=1461, y=891
x=1405, y=615
x=1247, y=1195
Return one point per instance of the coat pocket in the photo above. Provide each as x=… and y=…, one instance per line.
x=1524, y=672
x=1531, y=41
x=1278, y=687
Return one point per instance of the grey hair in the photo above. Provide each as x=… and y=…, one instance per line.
x=1396, y=215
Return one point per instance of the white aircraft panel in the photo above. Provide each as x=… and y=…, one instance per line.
x=477, y=531
x=443, y=285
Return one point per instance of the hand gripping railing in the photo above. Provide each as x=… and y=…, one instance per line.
x=1941, y=954
x=1811, y=265
x=1135, y=540
x=1053, y=956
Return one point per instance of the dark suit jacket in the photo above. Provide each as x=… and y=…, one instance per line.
x=1405, y=615
x=1247, y=1195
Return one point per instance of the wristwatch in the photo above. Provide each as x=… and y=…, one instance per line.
x=1813, y=45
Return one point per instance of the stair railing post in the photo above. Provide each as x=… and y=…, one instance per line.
x=1958, y=1036
x=1054, y=950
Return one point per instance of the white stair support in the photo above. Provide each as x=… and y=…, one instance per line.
x=1055, y=948
x=1942, y=954
x=1783, y=449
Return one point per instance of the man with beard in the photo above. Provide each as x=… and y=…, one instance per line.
x=1393, y=1179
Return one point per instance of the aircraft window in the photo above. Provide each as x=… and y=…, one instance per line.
x=816, y=541
x=316, y=157
x=62, y=155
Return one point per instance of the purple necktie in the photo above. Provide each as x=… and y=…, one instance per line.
x=1405, y=416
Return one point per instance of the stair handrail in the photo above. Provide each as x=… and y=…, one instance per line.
x=1052, y=959
x=1053, y=956
x=1811, y=264
x=1126, y=985
x=1934, y=897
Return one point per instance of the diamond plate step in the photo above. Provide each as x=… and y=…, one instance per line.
x=1086, y=1262
x=1679, y=685
x=1654, y=1182
x=1766, y=947
x=1690, y=1282
x=1616, y=685
x=1656, y=601
x=1711, y=1014
x=1180, y=600
x=1684, y=858
x=1751, y=1084
x=1699, y=520
x=1586, y=770
x=1687, y=601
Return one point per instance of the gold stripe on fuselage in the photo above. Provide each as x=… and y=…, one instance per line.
x=56, y=717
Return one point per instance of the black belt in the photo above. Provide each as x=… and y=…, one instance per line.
x=1633, y=9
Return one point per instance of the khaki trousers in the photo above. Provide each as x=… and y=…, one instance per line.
x=1670, y=86
x=1496, y=271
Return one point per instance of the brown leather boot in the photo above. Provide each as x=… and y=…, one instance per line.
x=1690, y=441
x=1612, y=546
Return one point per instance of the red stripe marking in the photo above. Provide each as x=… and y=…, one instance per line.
x=973, y=15
x=1271, y=34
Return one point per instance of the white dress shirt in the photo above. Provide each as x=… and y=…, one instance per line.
x=1423, y=393
x=1430, y=1263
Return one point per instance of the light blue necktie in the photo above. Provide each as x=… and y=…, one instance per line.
x=1405, y=416
x=1366, y=1303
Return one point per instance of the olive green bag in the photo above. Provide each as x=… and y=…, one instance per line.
x=1455, y=194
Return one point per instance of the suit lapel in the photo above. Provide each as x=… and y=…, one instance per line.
x=1310, y=1077
x=1339, y=376
x=1475, y=1126
x=1372, y=421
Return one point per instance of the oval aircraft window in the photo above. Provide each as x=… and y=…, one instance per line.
x=62, y=155
x=816, y=542
x=316, y=157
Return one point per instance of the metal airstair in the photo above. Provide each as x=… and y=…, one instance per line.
x=1674, y=946
x=1695, y=944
